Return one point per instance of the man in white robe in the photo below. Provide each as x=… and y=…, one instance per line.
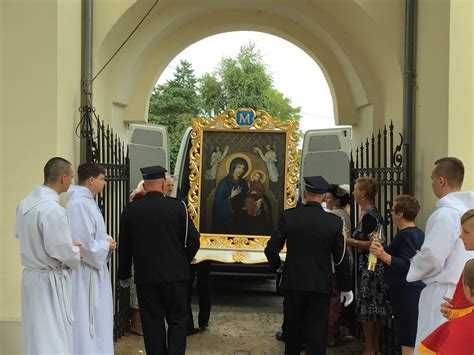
x=442, y=256
x=47, y=253
x=92, y=291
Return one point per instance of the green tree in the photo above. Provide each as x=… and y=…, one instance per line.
x=244, y=81
x=173, y=104
x=212, y=100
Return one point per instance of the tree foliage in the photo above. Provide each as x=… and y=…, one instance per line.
x=173, y=104
x=241, y=82
x=244, y=81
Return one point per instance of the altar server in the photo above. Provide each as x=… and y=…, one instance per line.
x=442, y=256
x=455, y=336
x=47, y=253
x=459, y=305
x=92, y=291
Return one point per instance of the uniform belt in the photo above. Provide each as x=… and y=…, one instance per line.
x=64, y=282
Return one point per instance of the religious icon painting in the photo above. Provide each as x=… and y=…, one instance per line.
x=243, y=174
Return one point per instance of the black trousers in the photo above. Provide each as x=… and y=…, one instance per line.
x=306, y=317
x=202, y=272
x=157, y=302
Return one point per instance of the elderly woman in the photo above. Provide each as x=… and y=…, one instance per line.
x=404, y=295
x=372, y=299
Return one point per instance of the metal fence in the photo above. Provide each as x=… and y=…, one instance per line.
x=381, y=158
x=104, y=147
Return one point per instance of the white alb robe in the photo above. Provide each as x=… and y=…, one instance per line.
x=92, y=291
x=47, y=254
x=440, y=260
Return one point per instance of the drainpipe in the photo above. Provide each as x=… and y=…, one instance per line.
x=408, y=96
x=86, y=76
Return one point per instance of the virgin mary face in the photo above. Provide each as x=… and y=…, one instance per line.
x=238, y=167
x=238, y=171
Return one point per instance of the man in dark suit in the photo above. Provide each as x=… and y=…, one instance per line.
x=312, y=236
x=157, y=233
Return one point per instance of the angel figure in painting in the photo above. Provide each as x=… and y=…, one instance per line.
x=270, y=159
x=216, y=157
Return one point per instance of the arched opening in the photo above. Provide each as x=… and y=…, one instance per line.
x=361, y=68
x=296, y=75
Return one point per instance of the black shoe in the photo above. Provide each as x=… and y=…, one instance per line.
x=280, y=336
x=203, y=327
x=192, y=331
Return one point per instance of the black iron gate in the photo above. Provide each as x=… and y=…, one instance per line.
x=104, y=147
x=381, y=159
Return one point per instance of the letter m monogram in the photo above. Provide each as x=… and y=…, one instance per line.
x=244, y=118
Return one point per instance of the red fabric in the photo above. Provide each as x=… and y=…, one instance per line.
x=461, y=306
x=454, y=337
x=459, y=300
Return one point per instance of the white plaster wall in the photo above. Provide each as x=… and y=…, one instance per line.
x=461, y=99
x=40, y=89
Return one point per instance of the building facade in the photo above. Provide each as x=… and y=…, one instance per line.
x=359, y=45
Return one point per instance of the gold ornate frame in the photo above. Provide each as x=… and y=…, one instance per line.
x=238, y=248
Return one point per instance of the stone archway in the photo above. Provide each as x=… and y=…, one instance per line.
x=356, y=63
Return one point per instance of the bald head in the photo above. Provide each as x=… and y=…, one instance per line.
x=311, y=196
x=55, y=168
x=153, y=185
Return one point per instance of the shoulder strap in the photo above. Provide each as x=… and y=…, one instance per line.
x=344, y=237
x=345, y=247
x=186, y=232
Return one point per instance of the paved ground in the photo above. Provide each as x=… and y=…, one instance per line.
x=246, y=314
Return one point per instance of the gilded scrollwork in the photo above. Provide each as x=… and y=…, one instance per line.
x=234, y=242
x=239, y=256
x=227, y=122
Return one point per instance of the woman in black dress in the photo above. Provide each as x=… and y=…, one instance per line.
x=372, y=298
x=404, y=295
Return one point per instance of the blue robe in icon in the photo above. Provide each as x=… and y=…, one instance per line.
x=224, y=208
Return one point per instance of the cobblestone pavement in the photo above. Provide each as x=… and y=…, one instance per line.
x=246, y=314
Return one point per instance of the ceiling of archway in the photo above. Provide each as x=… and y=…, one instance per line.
x=345, y=38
